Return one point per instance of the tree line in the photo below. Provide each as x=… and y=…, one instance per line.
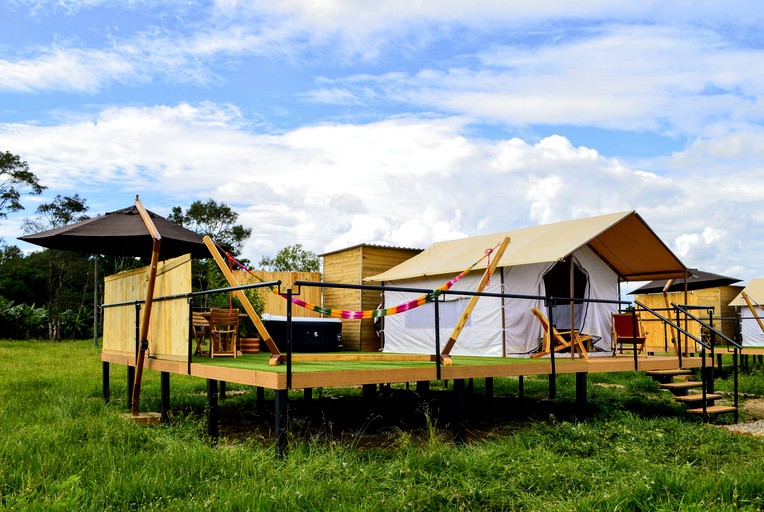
x=49, y=294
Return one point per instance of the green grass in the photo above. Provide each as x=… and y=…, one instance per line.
x=61, y=448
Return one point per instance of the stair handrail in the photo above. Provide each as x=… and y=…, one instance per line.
x=679, y=351
x=673, y=325
x=684, y=309
x=734, y=343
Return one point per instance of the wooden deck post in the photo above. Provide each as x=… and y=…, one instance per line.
x=282, y=439
x=105, y=382
x=213, y=420
x=459, y=427
x=164, y=383
x=520, y=387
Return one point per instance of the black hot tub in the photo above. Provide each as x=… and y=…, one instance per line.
x=308, y=334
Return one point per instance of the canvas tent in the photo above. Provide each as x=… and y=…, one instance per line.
x=592, y=254
x=753, y=335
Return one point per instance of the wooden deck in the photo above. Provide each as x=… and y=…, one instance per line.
x=253, y=369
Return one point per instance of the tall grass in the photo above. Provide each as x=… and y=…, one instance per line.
x=62, y=449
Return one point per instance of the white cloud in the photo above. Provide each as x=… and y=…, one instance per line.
x=406, y=181
x=665, y=79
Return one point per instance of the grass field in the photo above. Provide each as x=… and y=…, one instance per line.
x=61, y=448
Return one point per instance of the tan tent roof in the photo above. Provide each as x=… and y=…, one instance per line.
x=754, y=290
x=623, y=240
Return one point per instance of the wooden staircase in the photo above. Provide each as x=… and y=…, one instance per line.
x=682, y=391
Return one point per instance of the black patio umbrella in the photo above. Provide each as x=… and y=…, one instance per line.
x=122, y=233
x=698, y=280
x=132, y=231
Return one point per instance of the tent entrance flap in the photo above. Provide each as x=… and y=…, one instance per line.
x=558, y=282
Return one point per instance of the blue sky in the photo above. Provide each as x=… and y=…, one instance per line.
x=331, y=123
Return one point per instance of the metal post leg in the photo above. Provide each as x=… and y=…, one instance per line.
x=164, y=381
x=281, y=400
x=130, y=383
x=105, y=382
x=459, y=427
x=489, y=387
x=581, y=395
x=213, y=422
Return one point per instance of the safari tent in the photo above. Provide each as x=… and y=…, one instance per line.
x=750, y=327
x=585, y=258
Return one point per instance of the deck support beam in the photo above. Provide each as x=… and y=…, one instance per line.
x=164, y=383
x=459, y=427
x=105, y=382
x=281, y=400
x=213, y=420
x=581, y=395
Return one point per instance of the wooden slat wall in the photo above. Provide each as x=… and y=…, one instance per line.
x=718, y=297
x=345, y=267
x=352, y=266
x=276, y=305
x=168, y=331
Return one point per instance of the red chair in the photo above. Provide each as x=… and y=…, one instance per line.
x=623, y=333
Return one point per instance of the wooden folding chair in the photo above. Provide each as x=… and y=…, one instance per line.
x=201, y=331
x=562, y=339
x=224, y=332
x=623, y=333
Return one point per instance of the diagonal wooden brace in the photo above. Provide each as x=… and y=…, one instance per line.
x=276, y=357
x=446, y=352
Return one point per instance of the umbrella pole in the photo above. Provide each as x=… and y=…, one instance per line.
x=144, y=331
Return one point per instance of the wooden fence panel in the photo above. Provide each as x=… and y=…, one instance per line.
x=168, y=331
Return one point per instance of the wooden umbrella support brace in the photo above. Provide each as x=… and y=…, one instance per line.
x=144, y=328
x=276, y=357
x=446, y=353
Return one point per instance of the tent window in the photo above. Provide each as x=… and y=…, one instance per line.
x=557, y=284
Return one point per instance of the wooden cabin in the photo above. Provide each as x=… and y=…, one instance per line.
x=351, y=266
x=703, y=289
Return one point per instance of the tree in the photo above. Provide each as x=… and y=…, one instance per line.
x=15, y=177
x=292, y=258
x=67, y=279
x=215, y=220
x=59, y=212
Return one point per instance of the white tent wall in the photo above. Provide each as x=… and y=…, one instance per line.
x=412, y=331
x=753, y=336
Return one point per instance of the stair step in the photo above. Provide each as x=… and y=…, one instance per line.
x=688, y=384
x=697, y=397
x=713, y=409
x=671, y=373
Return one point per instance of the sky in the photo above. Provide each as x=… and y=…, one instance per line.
x=333, y=123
